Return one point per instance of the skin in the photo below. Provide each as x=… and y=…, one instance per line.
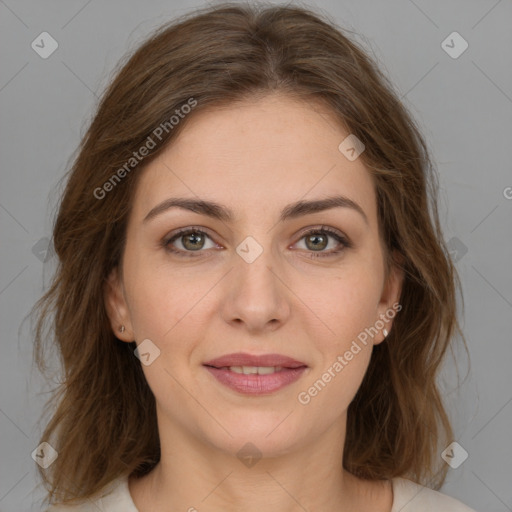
x=255, y=158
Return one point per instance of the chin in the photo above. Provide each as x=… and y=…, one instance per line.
x=258, y=432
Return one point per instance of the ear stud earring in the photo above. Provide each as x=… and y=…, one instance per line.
x=385, y=332
x=121, y=329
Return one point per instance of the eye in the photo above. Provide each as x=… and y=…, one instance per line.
x=191, y=240
x=316, y=240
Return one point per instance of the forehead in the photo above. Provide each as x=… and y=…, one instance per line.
x=262, y=153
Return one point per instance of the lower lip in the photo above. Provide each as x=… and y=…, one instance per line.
x=255, y=384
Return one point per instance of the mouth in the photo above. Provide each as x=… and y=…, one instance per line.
x=253, y=370
x=243, y=360
x=255, y=375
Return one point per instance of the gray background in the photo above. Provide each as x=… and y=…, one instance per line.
x=463, y=105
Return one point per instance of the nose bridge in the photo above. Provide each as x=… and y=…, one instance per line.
x=256, y=294
x=256, y=263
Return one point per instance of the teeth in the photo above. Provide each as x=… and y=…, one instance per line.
x=260, y=370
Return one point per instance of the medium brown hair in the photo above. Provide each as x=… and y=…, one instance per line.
x=103, y=420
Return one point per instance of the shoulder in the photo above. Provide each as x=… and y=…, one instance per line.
x=114, y=498
x=412, y=497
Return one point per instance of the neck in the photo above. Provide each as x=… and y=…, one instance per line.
x=194, y=476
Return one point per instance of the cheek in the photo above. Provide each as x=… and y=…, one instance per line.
x=350, y=302
x=345, y=352
x=333, y=383
x=160, y=298
x=347, y=304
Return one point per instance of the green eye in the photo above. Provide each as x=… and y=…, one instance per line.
x=193, y=240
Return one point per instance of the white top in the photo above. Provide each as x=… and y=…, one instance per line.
x=408, y=496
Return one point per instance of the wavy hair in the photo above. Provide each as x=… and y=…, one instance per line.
x=103, y=415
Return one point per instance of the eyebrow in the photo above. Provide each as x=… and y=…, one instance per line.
x=222, y=213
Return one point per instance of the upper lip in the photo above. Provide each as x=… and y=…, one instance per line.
x=242, y=359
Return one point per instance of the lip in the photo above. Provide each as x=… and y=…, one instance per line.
x=255, y=384
x=243, y=359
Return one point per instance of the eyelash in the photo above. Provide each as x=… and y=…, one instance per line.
x=167, y=243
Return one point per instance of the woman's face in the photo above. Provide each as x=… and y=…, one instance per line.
x=266, y=280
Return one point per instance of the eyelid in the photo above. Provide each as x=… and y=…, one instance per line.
x=323, y=228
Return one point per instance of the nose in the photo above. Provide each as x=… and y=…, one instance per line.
x=256, y=295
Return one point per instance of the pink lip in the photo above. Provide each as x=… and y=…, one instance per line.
x=242, y=359
x=255, y=384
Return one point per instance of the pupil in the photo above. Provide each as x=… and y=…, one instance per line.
x=192, y=236
x=316, y=237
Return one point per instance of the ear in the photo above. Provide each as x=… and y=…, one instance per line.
x=389, y=306
x=116, y=307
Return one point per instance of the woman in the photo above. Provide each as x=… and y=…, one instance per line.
x=254, y=297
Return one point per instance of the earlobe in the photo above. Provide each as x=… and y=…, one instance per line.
x=116, y=307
